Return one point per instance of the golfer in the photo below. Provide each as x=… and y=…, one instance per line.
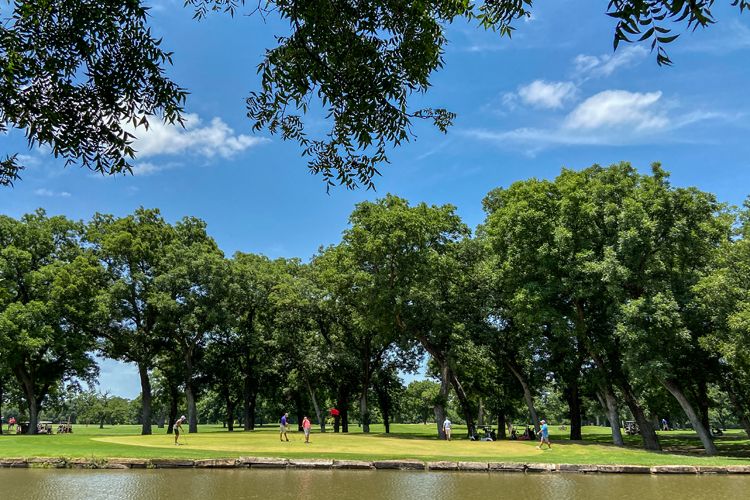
x=178, y=428
x=544, y=435
x=306, y=424
x=447, y=429
x=282, y=427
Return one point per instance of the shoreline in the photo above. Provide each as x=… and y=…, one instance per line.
x=331, y=464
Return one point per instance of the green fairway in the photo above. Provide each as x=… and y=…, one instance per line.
x=406, y=441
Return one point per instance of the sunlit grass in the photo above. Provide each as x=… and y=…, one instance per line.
x=406, y=441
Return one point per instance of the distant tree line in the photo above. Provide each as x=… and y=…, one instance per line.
x=603, y=292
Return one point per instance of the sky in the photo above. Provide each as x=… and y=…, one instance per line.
x=553, y=96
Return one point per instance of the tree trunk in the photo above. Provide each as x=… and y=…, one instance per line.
x=173, y=396
x=464, y=402
x=647, y=431
x=480, y=413
x=321, y=420
x=705, y=436
x=501, y=425
x=609, y=404
x=342, y=404
x=299, y=411
x=574, y=407
x=191, y=406
x=703, y=404
x=27, y=386
x=145, y=399
x=251, y=415
x=384, y=401
x=527, y=396
x=1, y=404
x=230, y=413
x=439, y=407
x=385, y=412
x=249, y=395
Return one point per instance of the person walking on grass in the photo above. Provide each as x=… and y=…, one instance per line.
x=306, y=424
x=282, y=427
x=447, y=429
x=544, y=435
x=178, y=428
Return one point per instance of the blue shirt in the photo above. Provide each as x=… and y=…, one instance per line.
x=545, y=431
x=283, y=420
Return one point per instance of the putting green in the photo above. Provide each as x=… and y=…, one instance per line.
x=333, y=445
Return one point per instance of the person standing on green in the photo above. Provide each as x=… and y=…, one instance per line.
x=178, y=428
x=282, y=427
x=544, y=435
x=306, y=425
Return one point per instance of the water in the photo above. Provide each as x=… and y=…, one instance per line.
x=33, y=484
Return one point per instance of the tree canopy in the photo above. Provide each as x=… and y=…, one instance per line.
x=76, y=73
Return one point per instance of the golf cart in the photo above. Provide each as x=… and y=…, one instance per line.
x=489, y=434
x=631, y=428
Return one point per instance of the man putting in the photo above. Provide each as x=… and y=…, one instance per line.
x=178, y=428
x=282, y=427
x=544, y=435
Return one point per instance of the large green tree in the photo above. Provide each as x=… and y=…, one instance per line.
x=132, y=249
x=404, y=254
x=724, y=297
x=191, y=294
x=49, y=307
x=252, y=280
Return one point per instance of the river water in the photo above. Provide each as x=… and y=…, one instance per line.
x=165, y=484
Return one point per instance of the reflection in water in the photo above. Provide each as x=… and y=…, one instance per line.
x=328, y=485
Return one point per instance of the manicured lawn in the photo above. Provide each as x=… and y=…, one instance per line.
x=405, y=442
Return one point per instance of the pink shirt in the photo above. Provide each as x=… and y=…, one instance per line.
x=306, y=424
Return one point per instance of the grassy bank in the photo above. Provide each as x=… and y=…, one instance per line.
x=405, y=442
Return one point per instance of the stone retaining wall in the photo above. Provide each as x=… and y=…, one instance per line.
x=412, y=465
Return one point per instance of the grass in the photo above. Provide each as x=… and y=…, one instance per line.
x=406, y=441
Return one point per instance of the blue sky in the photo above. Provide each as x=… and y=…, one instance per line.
x=553, y=96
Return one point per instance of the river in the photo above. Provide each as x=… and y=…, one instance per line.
x=166, y=484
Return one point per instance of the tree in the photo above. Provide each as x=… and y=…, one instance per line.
x=132, y=249
x=191, y=293
x=402, y=254
x=49, y=288
x=724, y=298
x=76, y=73
x=252, y=278
x=361, y=61
x=418, y=401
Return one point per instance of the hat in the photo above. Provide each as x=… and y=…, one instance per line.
x=543, y=421
x=183, y=417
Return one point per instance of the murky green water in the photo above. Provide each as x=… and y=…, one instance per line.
x=21, y=484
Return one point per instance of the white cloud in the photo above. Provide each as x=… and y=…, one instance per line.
x=210, y=140
x=612, y=118
x=587, y=66
x=147, y=168
x=550, y=95
x=618, y=108
x=50, y=194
